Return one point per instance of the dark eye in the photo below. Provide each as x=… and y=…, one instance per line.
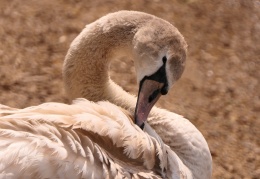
x=164, y=59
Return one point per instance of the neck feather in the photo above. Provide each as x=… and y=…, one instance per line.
x=86, y=67
x=85, y=73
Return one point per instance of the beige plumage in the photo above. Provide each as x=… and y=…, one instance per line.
x=82, y=140
x=100, y=140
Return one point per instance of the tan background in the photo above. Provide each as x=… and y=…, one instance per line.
x=219, y=91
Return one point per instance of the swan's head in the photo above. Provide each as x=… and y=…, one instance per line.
x=159, y=52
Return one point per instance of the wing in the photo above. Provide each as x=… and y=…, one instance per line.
x=82, y=140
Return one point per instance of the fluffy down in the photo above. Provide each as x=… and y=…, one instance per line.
x=82, y=140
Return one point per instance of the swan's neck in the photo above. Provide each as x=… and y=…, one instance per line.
x=86, y=67
x=86, y=74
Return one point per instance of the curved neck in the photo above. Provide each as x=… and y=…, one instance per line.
x=86, y=66
x=85, y=73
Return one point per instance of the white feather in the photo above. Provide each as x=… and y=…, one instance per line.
x=100, y=140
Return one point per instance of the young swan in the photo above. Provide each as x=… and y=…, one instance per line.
x=159, y=52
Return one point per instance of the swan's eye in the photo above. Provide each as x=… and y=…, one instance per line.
x=164, y=59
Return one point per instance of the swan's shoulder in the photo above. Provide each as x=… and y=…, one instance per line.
x=184, y=139
x=5, y=110
x=84, y=140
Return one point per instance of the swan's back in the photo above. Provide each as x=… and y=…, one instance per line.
x=82, y=140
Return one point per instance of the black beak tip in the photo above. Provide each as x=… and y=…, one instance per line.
x=142, y=126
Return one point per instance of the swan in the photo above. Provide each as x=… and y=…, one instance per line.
x=105, y=139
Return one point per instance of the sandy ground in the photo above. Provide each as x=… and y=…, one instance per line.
x=219, y=90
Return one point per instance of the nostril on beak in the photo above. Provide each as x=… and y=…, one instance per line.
x=153, y=95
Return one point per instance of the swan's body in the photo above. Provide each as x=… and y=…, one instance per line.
x=87, y=140
x=83, y=140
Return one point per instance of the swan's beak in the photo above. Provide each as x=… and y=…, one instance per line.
x=149, y=93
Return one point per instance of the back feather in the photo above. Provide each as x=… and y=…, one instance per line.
x=82, y=140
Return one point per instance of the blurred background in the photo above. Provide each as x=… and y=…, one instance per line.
x=219, y=91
